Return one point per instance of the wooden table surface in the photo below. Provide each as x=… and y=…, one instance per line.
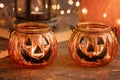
x=63, y=68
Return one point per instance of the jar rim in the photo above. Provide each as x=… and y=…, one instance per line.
x=32, y=27
x=92, y=27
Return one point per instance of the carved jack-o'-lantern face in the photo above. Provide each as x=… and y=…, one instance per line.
x=92, y=44
x=92, y=48
x=36, y=50
x=32, y=45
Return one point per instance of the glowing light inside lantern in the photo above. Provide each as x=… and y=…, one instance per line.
x=62, y=12
x=68, y=11
x=58, y=6
x=104, y=15
x=54, y=7
x=36, y=9
x=33, y=49
x=2, y=5
x=118, y=21
x=108, y=57
x=84, y=11
x=77, y=4
x=70, y=2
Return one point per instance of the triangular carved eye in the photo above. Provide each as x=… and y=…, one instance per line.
x=100, y=41
x=45, y=41
x=28, y=42
x=37, y=50
x=83, y=40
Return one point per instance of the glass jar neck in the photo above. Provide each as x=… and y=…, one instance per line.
x=90, y=27
x=32, y=28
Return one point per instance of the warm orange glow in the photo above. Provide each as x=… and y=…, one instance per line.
x=118, y=21
x=104, y=15
x=84, y=11
x=19, y=9
x=106, y=11
x=108, y=57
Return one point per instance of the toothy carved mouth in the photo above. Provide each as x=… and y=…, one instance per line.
x=95, y=58
x=33, y=60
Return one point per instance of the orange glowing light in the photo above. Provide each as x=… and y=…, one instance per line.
x=84, y=11
x=104, y=15
x=118, y=21
x=19, y=9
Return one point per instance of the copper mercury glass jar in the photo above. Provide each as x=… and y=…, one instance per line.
x=32, y=45
x=93, y=44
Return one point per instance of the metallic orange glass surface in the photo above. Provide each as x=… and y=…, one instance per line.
x=105, y=11
x=32, y=45
x=93, y=44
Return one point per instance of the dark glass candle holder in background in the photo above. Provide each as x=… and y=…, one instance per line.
x=93, y=44
x=44, y=11
x=32, y=45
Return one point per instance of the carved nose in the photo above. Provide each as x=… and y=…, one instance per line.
x=90, y=48
x=37, y=50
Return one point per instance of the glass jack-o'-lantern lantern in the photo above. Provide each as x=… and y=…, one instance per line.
x=36, y=10
x=32, y=45
x=93, y=44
